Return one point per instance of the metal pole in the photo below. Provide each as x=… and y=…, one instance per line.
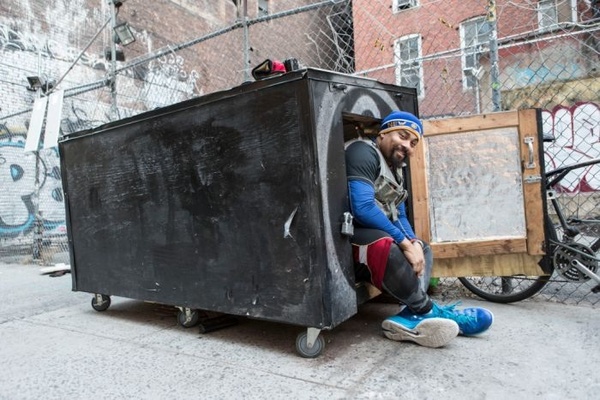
x=37, y=218
x=477, y=96
x=113, y=62
x=246, y=41
x=494, y=68
x=38, y=223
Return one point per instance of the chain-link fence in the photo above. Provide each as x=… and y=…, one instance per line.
x=466, y=57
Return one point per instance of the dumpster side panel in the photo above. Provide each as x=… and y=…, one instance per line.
x=211, y=207
x=333, y=97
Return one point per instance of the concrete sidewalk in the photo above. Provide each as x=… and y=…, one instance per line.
x=53, y=345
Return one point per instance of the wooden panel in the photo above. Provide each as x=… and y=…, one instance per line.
x=419, y=195
x=473, y=123
x=532, y=188
x=487, y=257
x=490, y=265
x=477, y=248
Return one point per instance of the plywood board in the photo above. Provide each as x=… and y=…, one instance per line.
x=493, y=199
x=490, y=265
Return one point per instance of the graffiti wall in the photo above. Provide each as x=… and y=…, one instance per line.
x=20, y=174
x=576, y=134
x=30, y=183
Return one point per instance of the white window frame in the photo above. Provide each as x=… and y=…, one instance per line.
x=402, y=5
x=416, y=64
x=547, y=14
x=550, y=20
x=470, y=54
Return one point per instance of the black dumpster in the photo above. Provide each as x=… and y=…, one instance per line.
x=232, y=202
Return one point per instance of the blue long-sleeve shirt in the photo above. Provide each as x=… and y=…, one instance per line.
x=362, y=169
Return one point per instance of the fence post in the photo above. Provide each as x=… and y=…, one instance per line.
x=113, y=63
x=494, y=68
x=246, y=41
x=37, y=222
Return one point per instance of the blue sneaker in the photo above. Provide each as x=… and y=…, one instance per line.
x=471, y=321
x=422, y=329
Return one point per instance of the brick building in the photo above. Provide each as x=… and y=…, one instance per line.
x=443, y=49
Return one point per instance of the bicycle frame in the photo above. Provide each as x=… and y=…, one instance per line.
x=569, y=244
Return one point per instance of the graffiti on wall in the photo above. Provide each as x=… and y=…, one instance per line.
x=534, y=76
x=11, y=39
x=576, y=138
x=167, y=77
x=18, y=183
x=30, y=182
x=169, y=72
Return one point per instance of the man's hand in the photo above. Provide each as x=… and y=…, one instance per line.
x=414, y=255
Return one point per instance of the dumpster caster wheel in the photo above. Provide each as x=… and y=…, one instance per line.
x=302, y=344
x=100, y=302
x=187, y=317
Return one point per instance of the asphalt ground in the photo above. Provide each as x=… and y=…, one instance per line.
x=53, y=345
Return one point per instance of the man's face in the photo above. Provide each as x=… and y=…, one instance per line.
x=396, y=146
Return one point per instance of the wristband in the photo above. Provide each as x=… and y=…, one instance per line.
x=413, y=241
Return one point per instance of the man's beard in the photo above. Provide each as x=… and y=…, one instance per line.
x=396, y=161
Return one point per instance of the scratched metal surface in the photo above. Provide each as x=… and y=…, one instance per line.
x=228, y=203
x=187, y=207
x=475, y=188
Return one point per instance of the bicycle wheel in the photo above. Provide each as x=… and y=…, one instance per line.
x=509, y=289
x=504, y=289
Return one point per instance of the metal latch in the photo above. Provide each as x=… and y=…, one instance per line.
x=532, y=179
x=529, y=142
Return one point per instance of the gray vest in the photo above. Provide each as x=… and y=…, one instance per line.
x=389, y=191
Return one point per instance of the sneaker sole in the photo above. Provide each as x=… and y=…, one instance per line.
x=431, y=332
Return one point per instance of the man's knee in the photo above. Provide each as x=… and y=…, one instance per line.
x=397, y=260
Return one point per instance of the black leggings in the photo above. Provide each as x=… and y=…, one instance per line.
x=399, y=280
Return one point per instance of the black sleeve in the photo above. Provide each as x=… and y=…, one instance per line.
x=362, y=162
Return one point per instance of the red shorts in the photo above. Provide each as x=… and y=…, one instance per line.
x=375, y=256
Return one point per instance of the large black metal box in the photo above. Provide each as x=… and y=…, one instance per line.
x=230, y=202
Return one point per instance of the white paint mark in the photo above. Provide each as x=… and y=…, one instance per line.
x=288, y=223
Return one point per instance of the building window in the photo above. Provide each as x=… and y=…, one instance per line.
x=474, y=36
x=399, y=5
x=409, y=69
x=263, y=8
x=547, y=14
x=550, y=13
